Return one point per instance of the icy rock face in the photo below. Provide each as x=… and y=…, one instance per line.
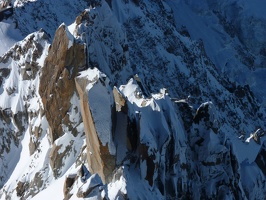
x=216, y=166
x=167, y=154
x=245, y=21
x=44, y=14
x=187, y=70
x=106, y=42
x=232, y=34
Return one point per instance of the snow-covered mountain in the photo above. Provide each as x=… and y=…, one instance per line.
x=133, y=99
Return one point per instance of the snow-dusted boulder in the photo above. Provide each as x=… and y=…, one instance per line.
x=93, y=182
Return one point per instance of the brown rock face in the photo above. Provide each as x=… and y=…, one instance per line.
x=99, y=158
x=57, y=83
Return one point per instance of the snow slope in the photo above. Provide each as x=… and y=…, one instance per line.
x=8, y=35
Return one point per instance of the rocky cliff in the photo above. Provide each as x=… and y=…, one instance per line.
x=126, y=103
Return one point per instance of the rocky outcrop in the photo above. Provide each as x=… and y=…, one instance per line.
x=57, y=83
x=92, y=183
x=56, y=159
x=100, y=159
x=69, y=181
x=21, y=188
x=83, y=185
x=36, y=133
x=57, y=88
